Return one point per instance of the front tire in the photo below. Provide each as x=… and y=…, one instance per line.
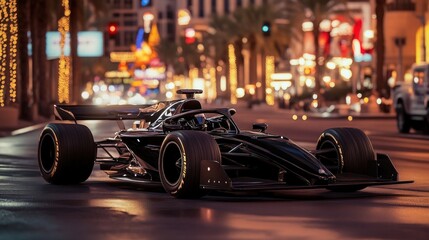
x=66, y=153
x=345, y=150
x=180, y=162
x=403, y=121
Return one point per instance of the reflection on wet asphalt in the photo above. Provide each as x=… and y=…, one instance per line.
x=103, y=208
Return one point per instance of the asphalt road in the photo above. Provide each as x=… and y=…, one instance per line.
x=102, y=208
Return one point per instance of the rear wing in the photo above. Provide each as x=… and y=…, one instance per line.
x=106, y=112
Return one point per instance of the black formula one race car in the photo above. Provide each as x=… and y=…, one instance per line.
x=191, y=150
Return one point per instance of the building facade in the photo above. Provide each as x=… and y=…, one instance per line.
x=130, y=15
x=406, y=35
x=406, y=38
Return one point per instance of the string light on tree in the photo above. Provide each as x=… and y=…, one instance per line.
x=3, y=54
x=232, y=72
x=8, y=51
x=269, y=70
x=193, y=74
x=64, y=68
x=13, y=49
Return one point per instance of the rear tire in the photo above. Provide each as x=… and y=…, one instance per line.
x=180, y=162
x=66, y=153
x=345, y=150
x=403, y=121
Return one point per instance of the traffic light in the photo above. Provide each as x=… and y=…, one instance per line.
x=189, y=35
x=266, y=28
x=112, y=29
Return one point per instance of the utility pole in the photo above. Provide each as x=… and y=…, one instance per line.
x=400, y=42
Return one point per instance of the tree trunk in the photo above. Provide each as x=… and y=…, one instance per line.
x=239, y=62
x=253, y=65
x=24, y=77
x=381, y=81
x=44, y=85
x=75, y=8
x=37, y=41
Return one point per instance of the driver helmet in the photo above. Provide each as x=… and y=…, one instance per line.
x=201, y=118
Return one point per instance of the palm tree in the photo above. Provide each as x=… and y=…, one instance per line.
x=167, y=52
x=258, y=16
x=381, y=82
x=180, y=56
x=75, y=16
x=190, y=54
x=41, y=83
x=319, y=10
x=216, y=39
x=220, y=34
x=38, y=88
x=237, y=30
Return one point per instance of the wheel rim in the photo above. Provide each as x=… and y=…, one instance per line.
x=47, y=153
x=172, y=163
x=330, y=157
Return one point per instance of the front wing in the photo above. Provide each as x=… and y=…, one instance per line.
x=214, y=177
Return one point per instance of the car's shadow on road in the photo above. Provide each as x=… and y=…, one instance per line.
x=298, y=195
x=266, y=196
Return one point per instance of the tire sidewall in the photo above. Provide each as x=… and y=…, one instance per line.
x=48, y=174
x=173, y=188
x=194, y=146
x=327, y=136
x=71, y=154
x=354, y=149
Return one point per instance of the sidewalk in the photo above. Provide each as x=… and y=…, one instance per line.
x=22, y=127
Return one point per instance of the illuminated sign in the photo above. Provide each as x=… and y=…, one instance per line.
x=145, y=3
x=139, y=38
x=281, y=76
x=122, y=57
x=117, y=74
x=147, y=21
x=90, y=44
x=150, y=73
